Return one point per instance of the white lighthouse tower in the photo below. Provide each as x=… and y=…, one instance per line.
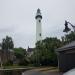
x=38, y=18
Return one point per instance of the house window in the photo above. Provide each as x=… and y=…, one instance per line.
x=40, y=34
x=39, y=20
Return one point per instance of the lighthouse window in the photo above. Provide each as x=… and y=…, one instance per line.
x=39, y=20
x=40, y=34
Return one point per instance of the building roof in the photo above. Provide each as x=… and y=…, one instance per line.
x=67, y=47
x=30, y=49
x=11, y=50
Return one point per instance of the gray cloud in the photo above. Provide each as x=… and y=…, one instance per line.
x=17, y=19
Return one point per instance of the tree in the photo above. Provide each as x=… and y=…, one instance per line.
x=7, y=43
x=45, y=51
x=20, y=53
x=21, y=56
x=68, y=38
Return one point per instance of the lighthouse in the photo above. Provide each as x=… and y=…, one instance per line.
x=38, y=18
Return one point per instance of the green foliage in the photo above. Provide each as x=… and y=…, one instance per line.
x=7, y=43
x=44, y=53
x=21, y=55
x=8, y=63
x=68, y=38
x=20, y=52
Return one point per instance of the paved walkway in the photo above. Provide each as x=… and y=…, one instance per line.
x=38, y=72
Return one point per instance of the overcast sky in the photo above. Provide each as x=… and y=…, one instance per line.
x=17, y=19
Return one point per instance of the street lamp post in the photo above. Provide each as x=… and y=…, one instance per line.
x=67, y=29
